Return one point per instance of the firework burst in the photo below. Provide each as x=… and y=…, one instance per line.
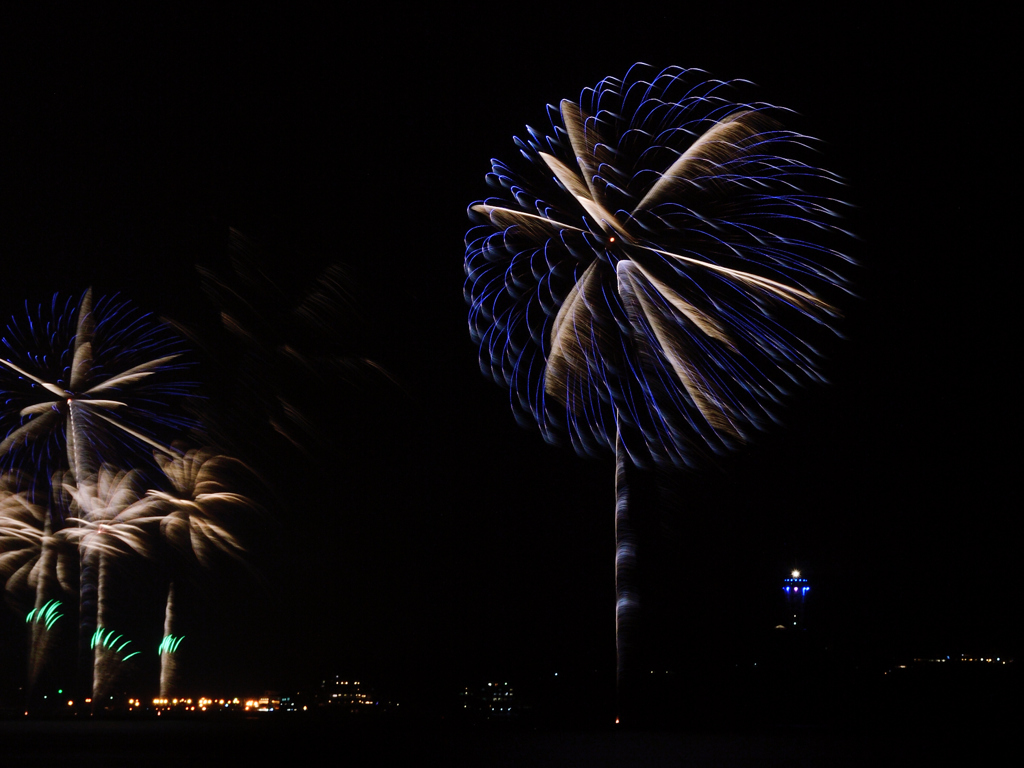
x=647, y=276
x=87, y=381
x=22, y=534
x=114, y=521
x=652, y=279
x=89, y=388
x=199, y=520
x=35, y=560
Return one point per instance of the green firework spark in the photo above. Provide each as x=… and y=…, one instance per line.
x=47, y=614
x=105, y=639
x=170, y=644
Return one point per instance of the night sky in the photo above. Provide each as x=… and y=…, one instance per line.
x=429, y=539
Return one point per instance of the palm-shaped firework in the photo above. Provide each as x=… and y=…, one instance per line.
x=85, y=383
x=114, y=521
x=88, y=389
x=91, y=381
x=23, y=533
x=649, y=280
x=199, y=521
x=34, y=559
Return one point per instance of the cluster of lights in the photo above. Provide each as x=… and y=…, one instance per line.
x=979, y=659
x=795, y=580
x=500, y=697
x=349, y=697
x=205, y=703
x=266, y=703
x=190, y=705
x=493, y=695
x=263, y=704
x=172, y=703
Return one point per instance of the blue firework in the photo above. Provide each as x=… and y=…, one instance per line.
x=654, y=269
x=84, y=384
x=652, y=277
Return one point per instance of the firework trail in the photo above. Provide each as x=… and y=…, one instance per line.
x=651, y=278
x=89, y=381
x=114, y=521
x=199, y=519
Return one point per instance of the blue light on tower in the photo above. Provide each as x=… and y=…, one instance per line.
x=796, y=589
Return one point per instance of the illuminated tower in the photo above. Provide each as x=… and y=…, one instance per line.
x=796, y=589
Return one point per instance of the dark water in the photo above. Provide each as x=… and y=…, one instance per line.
x=932, y=715
x=300, y=742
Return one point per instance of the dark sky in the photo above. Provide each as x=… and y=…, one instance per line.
x=433, y=538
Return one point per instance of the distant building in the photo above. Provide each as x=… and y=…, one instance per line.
x=491, y=701
x=795, y=588
x=346, y=695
